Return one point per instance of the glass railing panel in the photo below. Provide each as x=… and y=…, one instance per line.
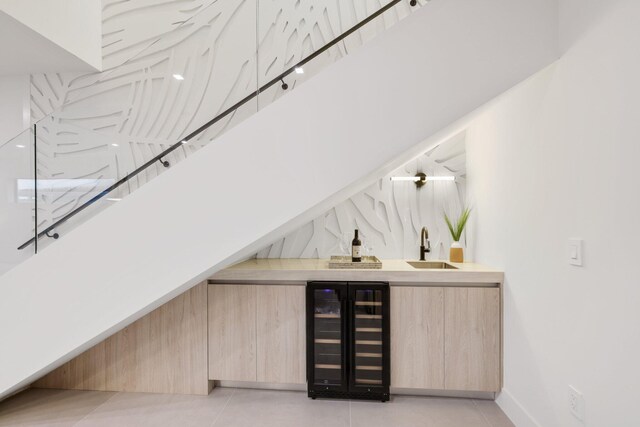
x=176, y=84
x=77, y=180
x=17, y=199
x=114, y=125
x=289, y=32
x=76, y=166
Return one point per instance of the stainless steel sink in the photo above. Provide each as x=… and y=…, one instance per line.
x=431, y=265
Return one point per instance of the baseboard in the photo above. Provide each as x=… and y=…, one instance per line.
x=515, y=411
x=261, y=386
x=483, y=395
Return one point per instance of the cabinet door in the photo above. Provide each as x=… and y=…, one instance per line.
x=417, y=337
x=472, y=339
x=232, y=332
x=281, y=334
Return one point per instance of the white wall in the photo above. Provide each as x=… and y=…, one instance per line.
x=555, y=159
x=441, y=62
x=75, y=25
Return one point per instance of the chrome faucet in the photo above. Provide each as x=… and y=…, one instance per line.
x=424, y=237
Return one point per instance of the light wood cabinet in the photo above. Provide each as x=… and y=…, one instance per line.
x=417, y=337
x=232, y=332
x=472, y=339
x=162, y=352
x=281, y=334
x=257, y=333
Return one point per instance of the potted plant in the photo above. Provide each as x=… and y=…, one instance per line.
x=456, y=253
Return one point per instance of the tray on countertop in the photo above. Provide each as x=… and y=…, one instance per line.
x=344, y=262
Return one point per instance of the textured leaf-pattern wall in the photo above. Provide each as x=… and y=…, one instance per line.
x=105, y=125
x=389, y=215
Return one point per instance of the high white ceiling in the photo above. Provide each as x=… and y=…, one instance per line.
x=24, y=51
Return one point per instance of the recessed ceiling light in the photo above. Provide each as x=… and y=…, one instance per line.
x=299, y=70
x=178, y=77
x=113, y=199
x=19, y=146
x=115, y=145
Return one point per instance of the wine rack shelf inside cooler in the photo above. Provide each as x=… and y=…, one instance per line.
x=328, y=339
x=367, y=327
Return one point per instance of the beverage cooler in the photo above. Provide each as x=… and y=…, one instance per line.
x=348, y=340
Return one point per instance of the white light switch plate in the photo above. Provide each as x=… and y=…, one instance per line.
x=575, y=252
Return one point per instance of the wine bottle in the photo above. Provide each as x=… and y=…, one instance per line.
x=356, y=247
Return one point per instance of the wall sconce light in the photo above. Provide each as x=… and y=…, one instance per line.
x=421, y=179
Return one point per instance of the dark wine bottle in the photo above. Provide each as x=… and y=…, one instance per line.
x=356, y=249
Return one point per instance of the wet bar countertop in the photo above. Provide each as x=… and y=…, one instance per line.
x=396, y=272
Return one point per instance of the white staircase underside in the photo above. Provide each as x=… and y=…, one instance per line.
x=319, y=143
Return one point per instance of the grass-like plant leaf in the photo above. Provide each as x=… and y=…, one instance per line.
x=457, y=228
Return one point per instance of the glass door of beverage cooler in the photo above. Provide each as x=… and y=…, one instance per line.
x=326, y=339
x=369, y=330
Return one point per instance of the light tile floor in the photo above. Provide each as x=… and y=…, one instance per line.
x=226, y=407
